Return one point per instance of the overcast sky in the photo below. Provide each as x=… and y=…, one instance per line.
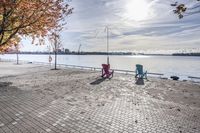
x=135, y=25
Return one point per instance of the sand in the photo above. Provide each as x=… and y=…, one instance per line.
x=84, y=83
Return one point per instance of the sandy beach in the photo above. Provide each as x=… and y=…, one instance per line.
x=34, y=98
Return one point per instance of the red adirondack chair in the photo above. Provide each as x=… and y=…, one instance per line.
x=106, y=71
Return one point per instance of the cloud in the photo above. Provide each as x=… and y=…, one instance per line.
x=161, y=30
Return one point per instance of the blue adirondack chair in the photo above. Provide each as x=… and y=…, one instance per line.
x=140, y=73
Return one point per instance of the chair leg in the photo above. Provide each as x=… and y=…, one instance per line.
x=112, y=73
x=146, y=77
x=102, y=74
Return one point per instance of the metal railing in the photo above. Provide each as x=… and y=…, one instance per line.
x=98, y=68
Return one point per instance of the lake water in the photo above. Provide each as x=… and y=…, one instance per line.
x=181, y=66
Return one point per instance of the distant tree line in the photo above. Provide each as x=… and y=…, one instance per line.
x=186, y=54
x=66, y=52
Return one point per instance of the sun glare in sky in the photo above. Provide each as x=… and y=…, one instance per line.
x=137, y=10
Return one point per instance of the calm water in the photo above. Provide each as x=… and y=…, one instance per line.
x=168, y=65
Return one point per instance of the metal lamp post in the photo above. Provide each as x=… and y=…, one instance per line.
x=107, y=29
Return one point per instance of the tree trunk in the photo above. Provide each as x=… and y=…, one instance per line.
x=55, y=60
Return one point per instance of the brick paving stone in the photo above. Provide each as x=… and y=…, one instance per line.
x=28, y=111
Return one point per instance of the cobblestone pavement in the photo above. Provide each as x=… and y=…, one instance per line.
x=29, y=111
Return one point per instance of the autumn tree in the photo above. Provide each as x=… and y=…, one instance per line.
x=30, y=18
x=55, y=41
x=183, y=10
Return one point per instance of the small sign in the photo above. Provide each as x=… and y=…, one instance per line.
x=50, y=59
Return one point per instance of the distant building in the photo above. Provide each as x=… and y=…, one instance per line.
x=59, y=50
x=67, y=51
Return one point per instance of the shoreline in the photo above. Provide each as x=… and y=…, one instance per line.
x=126, y=72
x=46, y=66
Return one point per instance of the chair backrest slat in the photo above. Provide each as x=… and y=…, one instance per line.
x=106, y=68
x=139, y=69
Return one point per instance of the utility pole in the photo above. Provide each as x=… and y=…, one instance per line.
x=107, y=29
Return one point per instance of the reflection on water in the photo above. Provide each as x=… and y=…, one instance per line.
x=168, y=65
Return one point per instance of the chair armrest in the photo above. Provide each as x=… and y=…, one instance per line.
x=136, y=71
x=111, y=71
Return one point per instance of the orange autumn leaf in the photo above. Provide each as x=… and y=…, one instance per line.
x=183, y=10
